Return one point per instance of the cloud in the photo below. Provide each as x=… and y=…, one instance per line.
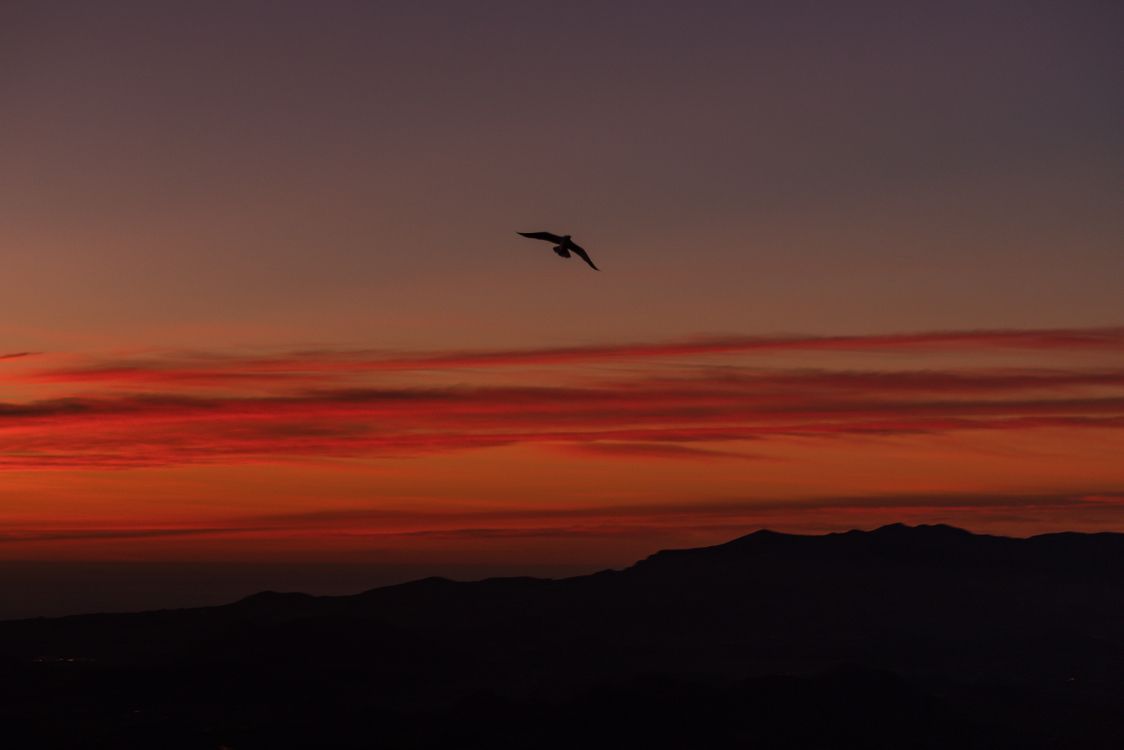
x=671, y=521
x=632, y=414
x=70, y=535
x=673, y=512
x=615, y=449
x=726, y=518
x=630, y=421
x=220, y=370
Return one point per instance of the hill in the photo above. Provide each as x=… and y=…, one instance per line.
x=925, y=636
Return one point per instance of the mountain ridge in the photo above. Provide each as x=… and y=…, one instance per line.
x=899, y=533
x=989, y=634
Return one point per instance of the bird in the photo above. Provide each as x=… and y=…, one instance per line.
x=562, y=245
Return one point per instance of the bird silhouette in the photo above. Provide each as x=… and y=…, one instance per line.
x=563, y=245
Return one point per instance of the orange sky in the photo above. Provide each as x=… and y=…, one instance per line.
x=546, y=455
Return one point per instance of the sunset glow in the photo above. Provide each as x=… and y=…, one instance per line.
x=265, y=300
x=601, y=450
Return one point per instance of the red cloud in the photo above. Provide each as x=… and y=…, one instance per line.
x=631, y=415
x=125, y=431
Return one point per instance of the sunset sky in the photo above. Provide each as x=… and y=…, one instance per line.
x=264, y=303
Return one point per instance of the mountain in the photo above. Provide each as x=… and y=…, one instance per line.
x=926, y=636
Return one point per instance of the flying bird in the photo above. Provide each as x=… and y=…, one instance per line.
x=562, y=245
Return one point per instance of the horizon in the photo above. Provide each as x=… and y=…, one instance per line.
x=220, y=584
x=268, y=318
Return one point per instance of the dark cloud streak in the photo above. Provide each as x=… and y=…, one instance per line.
x=225, y=369
x=732, y=516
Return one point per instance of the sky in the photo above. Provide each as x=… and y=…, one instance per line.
x=265, y=312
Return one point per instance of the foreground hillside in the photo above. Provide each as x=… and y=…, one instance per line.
x=900, y=637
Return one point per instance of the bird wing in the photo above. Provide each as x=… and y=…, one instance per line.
x=541, y=236
x=581, y=253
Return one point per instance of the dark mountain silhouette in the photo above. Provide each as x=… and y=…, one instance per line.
x=928, y=637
